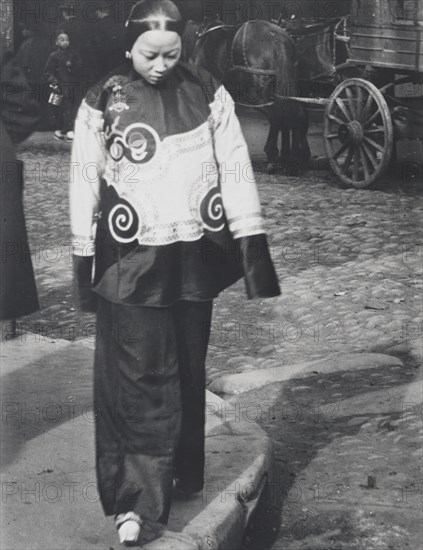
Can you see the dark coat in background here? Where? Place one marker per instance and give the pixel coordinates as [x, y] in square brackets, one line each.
[107, 44]
[18, 117]
[32, 57]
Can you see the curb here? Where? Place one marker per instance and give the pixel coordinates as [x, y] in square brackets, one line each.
[230, 502]
[57, 455]
[241, 382]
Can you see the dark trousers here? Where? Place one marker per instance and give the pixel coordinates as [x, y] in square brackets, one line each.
[63, 117]
[68, 115]
[149, 392]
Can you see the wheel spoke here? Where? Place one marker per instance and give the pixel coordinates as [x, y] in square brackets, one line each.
[331, 136]
[355, 165]
[342, 107]
[340, 151]
[371, 119]
[348, 159]
[336, 119]
[374, 144]
[366, 108]
[360, 98]
[375, 131]
[364, 163]
[351, 104]
[369, 154]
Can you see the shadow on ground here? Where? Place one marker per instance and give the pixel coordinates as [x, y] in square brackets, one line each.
[335, 435]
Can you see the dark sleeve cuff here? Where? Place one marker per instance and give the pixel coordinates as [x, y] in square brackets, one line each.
[260, 277]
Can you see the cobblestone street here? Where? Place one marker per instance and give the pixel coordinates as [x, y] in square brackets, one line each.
[350, 267]
[349, 261]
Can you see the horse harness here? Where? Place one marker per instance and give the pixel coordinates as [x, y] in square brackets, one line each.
[239, 35]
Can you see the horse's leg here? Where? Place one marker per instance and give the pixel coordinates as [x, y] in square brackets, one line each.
[271, 145]
[305, 153]
[295, 145]
[300, 151]
[295, 165]
[286, 145]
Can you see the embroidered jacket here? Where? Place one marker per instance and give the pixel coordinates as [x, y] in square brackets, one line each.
[162, 190]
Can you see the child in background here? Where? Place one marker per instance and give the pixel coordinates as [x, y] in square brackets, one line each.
[62, 72]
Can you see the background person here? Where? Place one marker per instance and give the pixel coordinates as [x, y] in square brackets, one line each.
[106, 41]
[32, 56]
[62, 72]
[18, 117]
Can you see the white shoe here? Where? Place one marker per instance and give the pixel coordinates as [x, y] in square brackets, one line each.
[69, 136]
[58, 134]
[129, 532]
[128, 526]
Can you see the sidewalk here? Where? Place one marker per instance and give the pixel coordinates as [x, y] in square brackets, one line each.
[49, 492]
[347, 437]
[49, 497]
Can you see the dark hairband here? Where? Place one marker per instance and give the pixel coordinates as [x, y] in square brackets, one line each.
[156, 24]
[135, 28]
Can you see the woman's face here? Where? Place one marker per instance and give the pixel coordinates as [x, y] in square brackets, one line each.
[155, 54]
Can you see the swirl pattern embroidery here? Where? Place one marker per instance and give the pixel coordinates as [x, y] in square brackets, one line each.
[124, 223]
[138, 143]
[211, 210]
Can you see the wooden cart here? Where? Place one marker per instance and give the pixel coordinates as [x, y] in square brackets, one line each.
[363, 118]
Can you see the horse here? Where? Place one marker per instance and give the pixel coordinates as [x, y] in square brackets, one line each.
[256, 63]
[192, 32]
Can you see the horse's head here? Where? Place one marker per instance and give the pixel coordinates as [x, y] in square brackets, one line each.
[211, 21]
[194, 31]
[212, 50]
[292, 24]
[189, 39]
[263, 57]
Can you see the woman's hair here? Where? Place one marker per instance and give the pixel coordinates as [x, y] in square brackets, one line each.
[150, 15]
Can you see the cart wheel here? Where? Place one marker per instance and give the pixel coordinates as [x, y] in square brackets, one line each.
[358, 133]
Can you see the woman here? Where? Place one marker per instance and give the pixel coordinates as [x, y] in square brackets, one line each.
[160, 159]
